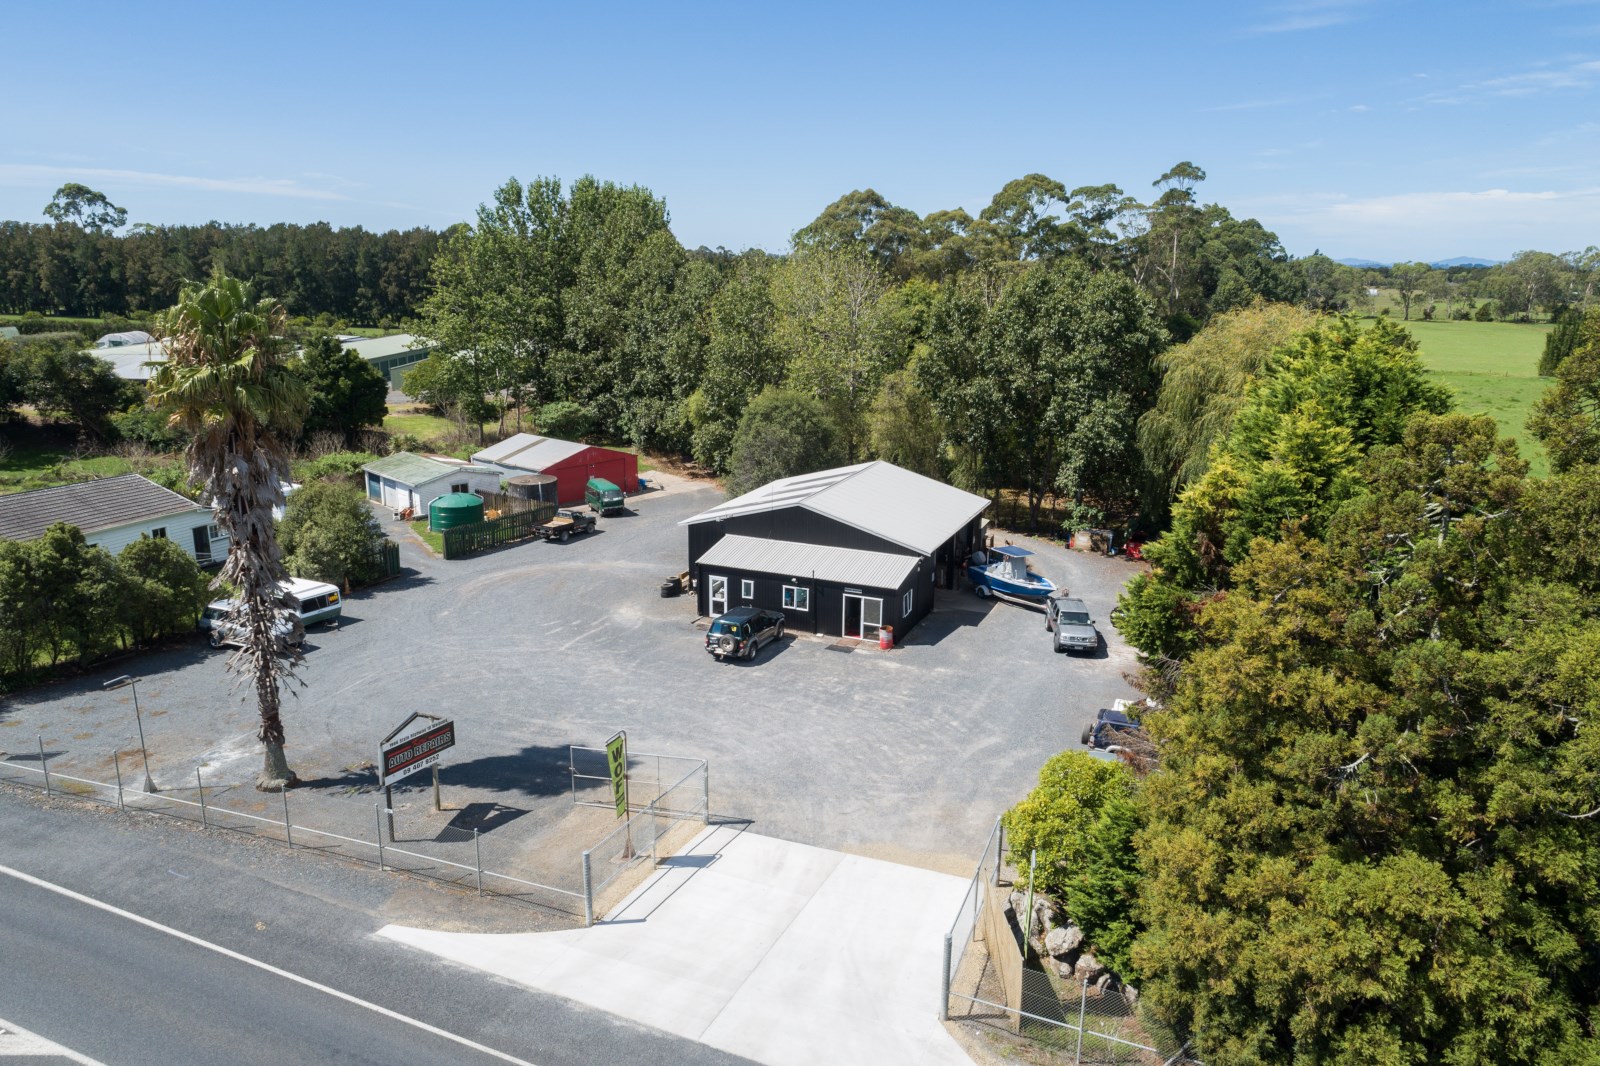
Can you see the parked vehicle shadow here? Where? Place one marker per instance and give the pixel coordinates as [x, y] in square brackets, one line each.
[771, 651]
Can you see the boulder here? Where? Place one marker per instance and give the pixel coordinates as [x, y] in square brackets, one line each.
[1105, 982]
[1130, 994]
[1063, 940]
[1064, 969]
[1088, 968]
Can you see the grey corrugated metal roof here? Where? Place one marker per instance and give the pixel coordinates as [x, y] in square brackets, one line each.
[880, 498]
[847, 566]
[411, 469]
[528, 451]
[127, 360]
[104, 503]
[383, 347]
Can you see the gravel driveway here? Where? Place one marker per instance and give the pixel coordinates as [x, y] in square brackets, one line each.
[907, 755]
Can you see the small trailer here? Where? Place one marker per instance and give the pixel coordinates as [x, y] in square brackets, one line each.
[566, 523]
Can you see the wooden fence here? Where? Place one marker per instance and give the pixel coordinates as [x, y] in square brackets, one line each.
[509, 528]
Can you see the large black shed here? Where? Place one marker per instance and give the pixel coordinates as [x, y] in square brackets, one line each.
[844, 552]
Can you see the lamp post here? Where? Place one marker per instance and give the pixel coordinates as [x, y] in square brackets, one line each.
[111, 686]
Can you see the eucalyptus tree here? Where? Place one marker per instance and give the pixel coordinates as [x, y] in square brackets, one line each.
[227, 383]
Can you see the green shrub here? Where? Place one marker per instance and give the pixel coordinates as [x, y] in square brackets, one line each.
[566, 420]
[149, 427]
[341, 466]
[329, 534]
[1484, 312]
[1081, 820]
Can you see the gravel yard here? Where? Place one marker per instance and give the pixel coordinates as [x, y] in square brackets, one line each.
[906, 755]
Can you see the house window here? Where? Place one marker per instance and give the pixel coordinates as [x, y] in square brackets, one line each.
[459, 488]
[747, 589]
[213, 532]
[796, 598]
[905, 605]
[159, 533]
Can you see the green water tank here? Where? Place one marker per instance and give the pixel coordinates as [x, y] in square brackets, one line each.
[454, 509]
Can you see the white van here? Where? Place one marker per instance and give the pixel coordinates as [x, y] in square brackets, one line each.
[304, 603]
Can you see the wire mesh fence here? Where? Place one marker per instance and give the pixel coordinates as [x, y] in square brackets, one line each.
[995, 979]
[676, 808]
[464, 857]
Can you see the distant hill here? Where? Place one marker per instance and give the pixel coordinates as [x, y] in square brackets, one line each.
[1442, 264]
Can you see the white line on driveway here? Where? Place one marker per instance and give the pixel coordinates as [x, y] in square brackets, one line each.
[17, 1042]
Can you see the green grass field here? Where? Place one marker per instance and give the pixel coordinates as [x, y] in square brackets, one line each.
[1493, 369]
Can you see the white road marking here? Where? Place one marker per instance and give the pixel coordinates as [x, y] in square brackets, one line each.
[17, 1042]
[258, 964]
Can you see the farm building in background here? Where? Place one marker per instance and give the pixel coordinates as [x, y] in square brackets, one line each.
[405, 480]
[570, 463]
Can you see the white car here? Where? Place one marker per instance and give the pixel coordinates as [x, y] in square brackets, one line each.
[300, 603]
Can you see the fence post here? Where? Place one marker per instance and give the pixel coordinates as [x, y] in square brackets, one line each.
[44, 763]
[117, 762]
[377, 813]
[588, 893]
[944, 984]
[999, 846]
[477, 851]
[1083, 1004]
[705, 791]
[205, 823]
[288, 834]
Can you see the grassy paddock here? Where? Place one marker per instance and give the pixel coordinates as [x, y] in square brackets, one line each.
[1493, 369]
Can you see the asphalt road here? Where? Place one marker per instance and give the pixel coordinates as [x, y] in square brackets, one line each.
[908, 755]
[118, 991]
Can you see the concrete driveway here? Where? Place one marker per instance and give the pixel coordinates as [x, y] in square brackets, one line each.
[782, 953]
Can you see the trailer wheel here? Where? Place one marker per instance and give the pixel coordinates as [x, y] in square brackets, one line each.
[983, 592]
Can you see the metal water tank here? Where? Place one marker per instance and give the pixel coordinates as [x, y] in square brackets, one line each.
[454, 509]
[538, 487]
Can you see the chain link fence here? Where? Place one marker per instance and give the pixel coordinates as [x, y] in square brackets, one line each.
[673, 794]
[996, 982]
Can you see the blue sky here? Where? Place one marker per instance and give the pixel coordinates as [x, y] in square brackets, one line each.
[1377, 129]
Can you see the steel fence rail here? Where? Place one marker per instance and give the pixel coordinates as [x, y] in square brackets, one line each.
[210, 813]
[985, 966]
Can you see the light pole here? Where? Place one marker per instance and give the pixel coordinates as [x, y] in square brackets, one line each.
[111, 686]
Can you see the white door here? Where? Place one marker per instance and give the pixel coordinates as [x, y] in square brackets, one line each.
[717, 594]
[863, 617]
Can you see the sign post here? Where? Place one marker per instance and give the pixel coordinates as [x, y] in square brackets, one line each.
[617, 760]
[417, 750]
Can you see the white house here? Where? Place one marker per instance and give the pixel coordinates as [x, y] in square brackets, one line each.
[405, 480]
[113, 512]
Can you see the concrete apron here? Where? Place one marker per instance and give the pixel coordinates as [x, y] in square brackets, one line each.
[782, 953]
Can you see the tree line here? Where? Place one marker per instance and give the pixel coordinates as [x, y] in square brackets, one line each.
[1370, 641]
[78, 265]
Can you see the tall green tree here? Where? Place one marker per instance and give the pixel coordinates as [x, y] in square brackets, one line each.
[742, 358]
[1567, 417]
[782, 433]
[328, 533]
[1409, 279]
[1203, 385]
[837, 336]
[164, 589]
[228, 383]
[83, 206]
[1372, 837]
[346, 393]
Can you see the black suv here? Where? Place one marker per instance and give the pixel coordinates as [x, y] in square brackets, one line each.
[742, 631]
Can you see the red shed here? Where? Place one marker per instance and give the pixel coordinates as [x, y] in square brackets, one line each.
[570, 463]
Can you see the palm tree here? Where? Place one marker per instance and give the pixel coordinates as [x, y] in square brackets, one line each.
[227, 383]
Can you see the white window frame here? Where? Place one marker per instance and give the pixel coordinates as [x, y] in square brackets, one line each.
[159, 533]
[905, 605]
[747, 589]
[793, 595]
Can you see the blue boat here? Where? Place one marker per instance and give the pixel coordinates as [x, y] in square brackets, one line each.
[1004, 569]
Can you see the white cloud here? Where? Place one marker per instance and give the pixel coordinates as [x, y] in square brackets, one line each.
[1303, 15]
[31, 174]
[1494, 223]
[1547, 78]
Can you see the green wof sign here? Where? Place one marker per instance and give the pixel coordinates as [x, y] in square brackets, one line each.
[617, 758]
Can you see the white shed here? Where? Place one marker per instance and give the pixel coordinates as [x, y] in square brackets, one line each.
[113, 512]
[406, 480]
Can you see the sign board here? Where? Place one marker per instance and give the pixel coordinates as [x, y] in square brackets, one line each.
[417, 752]
[617, 759]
